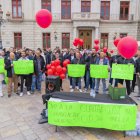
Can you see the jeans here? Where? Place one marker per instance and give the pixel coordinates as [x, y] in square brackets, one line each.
[138, 82]
[24, 78]
[70, 78]
[87, 79]
[98, 84]
[74, 80]
[36, 81]
[93, 84]
[134, 82]
[111, 81]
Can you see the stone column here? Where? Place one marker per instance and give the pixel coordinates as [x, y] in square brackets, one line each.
[74, 32]
[96, 32]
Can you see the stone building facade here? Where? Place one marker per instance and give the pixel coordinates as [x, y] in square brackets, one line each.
[87, 19]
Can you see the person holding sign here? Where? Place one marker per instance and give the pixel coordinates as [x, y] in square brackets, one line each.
[138, 73]
[101, 60]
[77, 60]
[93, 59]
[122, 60]
[24, 77]
[1, 77]
[12, 77]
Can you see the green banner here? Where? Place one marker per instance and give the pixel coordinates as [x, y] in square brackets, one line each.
[99, 71]
[122, 71]
[110, 116]
[76, 70]
[2, 66]
[23, 67]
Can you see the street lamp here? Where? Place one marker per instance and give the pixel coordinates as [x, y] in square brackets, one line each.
[1, 22]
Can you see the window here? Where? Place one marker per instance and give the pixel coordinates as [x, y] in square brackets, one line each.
[104, 40]
[16, 9]
[65, 40]
[123, 35]
[46, 40]
[66, 9]
[105, 10]
[46, 4]
[124, 10]
[85, 6]
[18, 40]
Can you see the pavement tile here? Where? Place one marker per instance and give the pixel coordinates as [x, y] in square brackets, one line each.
[15, 137]
[27, 132]
[9, 131]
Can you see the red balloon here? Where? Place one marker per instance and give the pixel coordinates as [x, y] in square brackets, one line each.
[50, 72]
[105, 49]
[81, 42]
[62, 76]
[127, 47]
[48, 66]
[76, 40]
[75, 44]
[52, 63]
[56, 74]
[43, 18]
[68, 61]
[96, 47]
[111, 51]
[53, 69]
[116, 41]
[65, 63]
[58, 69]
[64, 70]
[96, 41]
[57, 62]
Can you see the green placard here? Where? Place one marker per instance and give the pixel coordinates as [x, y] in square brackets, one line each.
[99, 71]
[76, 70]
[109, 116]
[23, 67]
[122, 71]
[2, 66]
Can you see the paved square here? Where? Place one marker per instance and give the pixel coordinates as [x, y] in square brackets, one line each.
[19, 121]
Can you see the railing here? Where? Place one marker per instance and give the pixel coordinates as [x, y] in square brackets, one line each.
[85, 16]
[118, 17]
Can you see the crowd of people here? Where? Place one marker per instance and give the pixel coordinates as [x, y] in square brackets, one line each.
[76, 56]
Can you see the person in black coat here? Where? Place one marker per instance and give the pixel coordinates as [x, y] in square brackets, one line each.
[71, 57]
[12, 77]
[138, 74]
[77, 60]
[122, 60]
[112, 61]
[39, 68]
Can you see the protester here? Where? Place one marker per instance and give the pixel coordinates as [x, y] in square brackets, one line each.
[87, 72]
[12, 77]
[134, 77]
[77, 60]
[113, 60]
[101, 60]
[138, 74]
[93, 59]
[1, 75]
[122, 60]
[24, 78]
[71, 57]
[39, 68]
